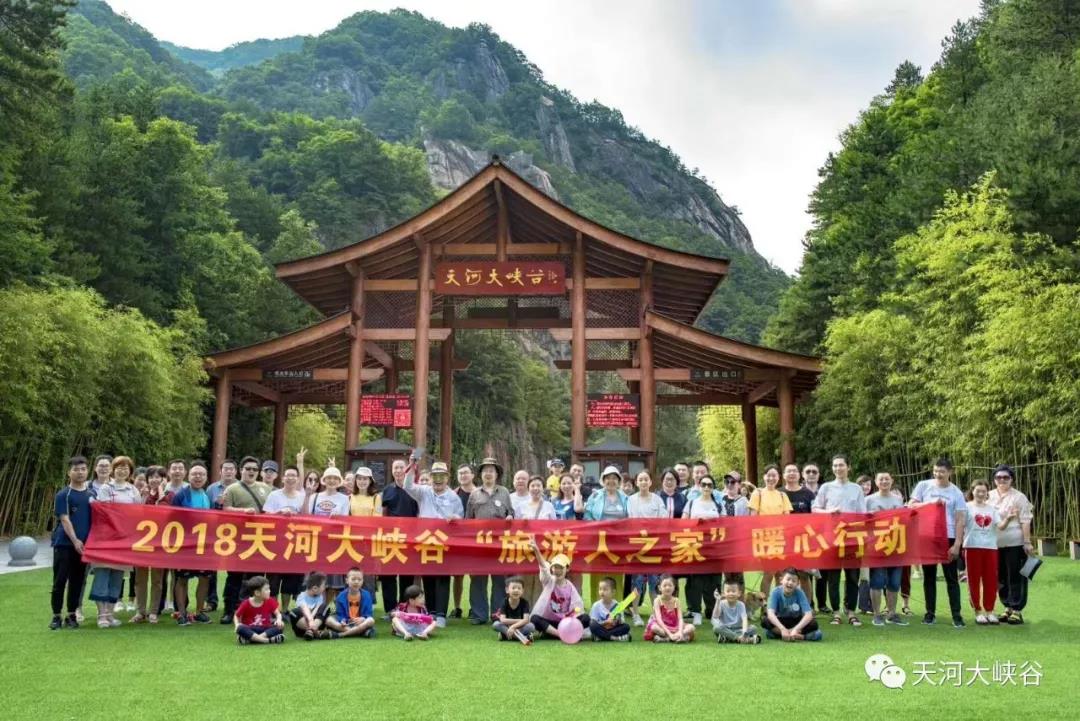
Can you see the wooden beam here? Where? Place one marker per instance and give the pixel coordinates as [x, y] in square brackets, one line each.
[737, 349]
[281, 415]
[421, 349]
[311, 335]
[375, 351]
[391, 386]
[221, 422]
[260, 390]
[404, 334]
[446, 386]
[406, 365]
[699, 399]
[565, 335]
[468, 250]
[578, 350]
[760, 392]
[607, 283]
[504, 312]
[750, 446]
[502, 228]
[511, 323]
[353, 381]
[597, 364]
[667, 375]
[395, 285]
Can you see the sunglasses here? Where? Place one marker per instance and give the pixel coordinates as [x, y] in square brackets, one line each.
[706, 485]
[732, 483]
[1002, 478]
[810, 473]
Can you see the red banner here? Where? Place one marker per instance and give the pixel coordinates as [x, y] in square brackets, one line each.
[510, 277]
[167, 537]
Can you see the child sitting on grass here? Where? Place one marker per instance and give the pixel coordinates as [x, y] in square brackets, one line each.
[666, 622]
[788, 615]
[730, 621]
[602, 625]
[354, 609]
[309, 617]
[258, 619]
[512, 618]
[559, 598]
[411, 619]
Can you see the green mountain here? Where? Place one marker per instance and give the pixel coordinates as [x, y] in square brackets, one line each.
[252, 52]
[458, 95]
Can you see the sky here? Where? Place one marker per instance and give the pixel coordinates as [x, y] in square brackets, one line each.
[753, 93]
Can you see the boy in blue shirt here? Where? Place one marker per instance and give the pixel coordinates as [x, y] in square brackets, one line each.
[354, 611]
[309, 617]
[788, 615]
[601, 625]
[72, 509]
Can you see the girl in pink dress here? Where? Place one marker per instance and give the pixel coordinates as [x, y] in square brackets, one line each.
[666, 622]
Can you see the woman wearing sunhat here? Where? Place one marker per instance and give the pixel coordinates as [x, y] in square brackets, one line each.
[489, 501]
[607, 504]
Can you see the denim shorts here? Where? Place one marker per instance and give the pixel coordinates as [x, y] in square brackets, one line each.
[885, 578]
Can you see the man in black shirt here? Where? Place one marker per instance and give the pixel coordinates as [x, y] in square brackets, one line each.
[396, 503]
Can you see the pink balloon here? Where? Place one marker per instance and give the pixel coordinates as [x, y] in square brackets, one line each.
[570, 630]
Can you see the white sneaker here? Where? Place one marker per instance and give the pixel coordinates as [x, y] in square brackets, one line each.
[169, 607]
[586, 635]
[114, 621]
[697, 619]
[638, 620]
[440, 622]
[79, 617]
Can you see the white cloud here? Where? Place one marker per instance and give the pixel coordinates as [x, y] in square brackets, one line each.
[753, 95]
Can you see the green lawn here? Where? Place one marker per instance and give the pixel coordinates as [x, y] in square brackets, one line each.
[167, 672]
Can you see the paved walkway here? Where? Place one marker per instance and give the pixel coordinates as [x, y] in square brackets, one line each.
[43, 559]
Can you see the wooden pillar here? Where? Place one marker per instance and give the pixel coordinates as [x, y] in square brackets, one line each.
[446, 385]
[353, 383]
[645, 359]
[391, 387]
[578, 351]
[422, 345]
[749, 421]
[281, 415]
[221, 422]
[787, 419]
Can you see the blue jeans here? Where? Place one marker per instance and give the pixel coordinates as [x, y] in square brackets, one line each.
[478, 596]
[107, 585]
[885, 578]
[639, 583]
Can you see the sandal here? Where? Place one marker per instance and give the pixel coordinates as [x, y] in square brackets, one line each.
[1016, 619]
[906, 610]
[854, 620]
[138, 618]
[836, 620]
[152, 619]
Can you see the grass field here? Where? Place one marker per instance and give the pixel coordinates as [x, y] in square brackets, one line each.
[169, 672]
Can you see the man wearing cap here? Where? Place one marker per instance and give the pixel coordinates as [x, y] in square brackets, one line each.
[247, 496]
[489, 501]
[396, 503]
[435, 501]
[553, 480]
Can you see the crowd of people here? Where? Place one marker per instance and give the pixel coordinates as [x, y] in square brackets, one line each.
[989, 529]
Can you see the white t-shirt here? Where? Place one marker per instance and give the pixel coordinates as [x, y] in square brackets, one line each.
[529, 512]
[699, 508]
[520, 504]
[328, 504]
[653, 508]
[929, 492]
[981, 531]
[278, 500]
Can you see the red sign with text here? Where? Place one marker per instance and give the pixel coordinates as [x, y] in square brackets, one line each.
[612, 410]
[171, 537]
[511, 277]
[393, 410]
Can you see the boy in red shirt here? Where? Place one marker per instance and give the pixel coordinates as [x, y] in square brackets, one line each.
[258, 619]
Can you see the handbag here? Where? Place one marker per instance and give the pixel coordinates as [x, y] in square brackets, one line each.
[1031, 567]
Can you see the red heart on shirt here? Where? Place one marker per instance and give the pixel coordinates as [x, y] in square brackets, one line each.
[982, 521]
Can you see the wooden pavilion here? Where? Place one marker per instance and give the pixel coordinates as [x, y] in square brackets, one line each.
[499, 254]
